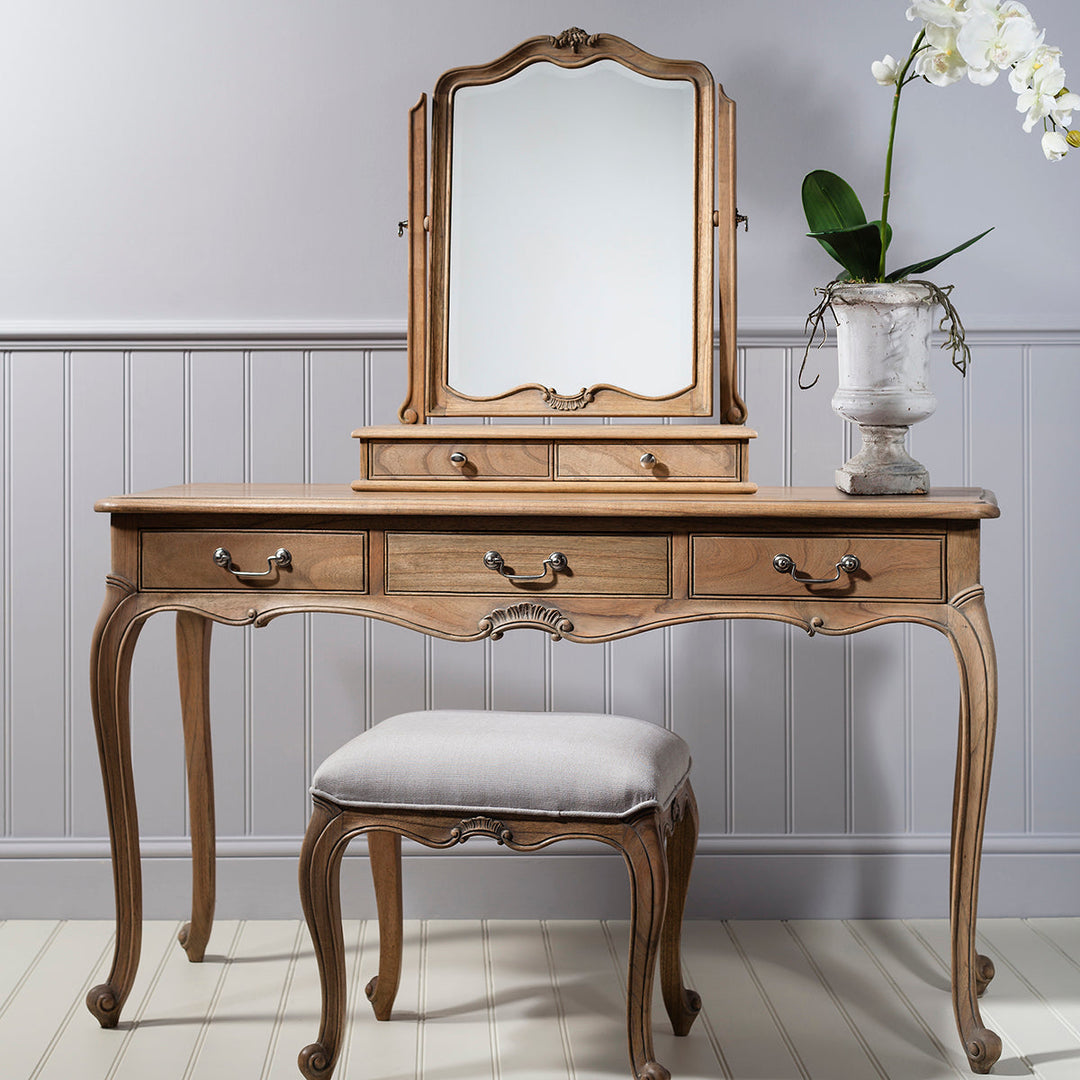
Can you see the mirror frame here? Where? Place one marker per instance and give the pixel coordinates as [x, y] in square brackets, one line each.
[430, 393]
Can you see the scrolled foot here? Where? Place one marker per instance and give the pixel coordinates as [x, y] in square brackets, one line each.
[983, 1049]
[315, 1061]
[684, 1018]
[103, 1003]
[195, 952]
[382, 1009]
[654, 1071]
[984, 972]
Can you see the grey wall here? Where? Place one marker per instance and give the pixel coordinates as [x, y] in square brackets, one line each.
[245, 160]
[194, 198]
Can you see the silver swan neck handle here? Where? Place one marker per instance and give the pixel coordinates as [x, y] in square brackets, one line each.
[556, 561]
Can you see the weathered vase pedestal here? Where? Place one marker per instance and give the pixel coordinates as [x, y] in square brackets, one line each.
[883, 352]
[883, 466]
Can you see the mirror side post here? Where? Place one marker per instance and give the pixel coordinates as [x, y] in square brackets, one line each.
[732, 407]
[414, 408]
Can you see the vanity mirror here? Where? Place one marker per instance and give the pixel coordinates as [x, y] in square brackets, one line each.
[580, 189]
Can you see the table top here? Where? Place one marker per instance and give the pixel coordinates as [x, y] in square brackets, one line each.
[459, 499]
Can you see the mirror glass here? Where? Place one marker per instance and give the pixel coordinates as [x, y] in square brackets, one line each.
[571, 232]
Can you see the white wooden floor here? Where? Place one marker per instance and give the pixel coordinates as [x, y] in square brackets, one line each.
[540, 1000]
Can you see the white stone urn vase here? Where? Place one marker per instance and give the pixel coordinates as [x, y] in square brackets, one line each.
[883, 347]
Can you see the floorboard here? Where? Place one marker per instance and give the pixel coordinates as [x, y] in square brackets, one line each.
[541, 1000]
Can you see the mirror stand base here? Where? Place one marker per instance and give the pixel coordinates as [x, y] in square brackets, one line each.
[630, 458]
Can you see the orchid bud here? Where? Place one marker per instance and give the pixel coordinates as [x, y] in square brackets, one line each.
[885, 71]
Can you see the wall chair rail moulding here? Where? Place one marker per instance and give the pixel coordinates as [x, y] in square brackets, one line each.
[568, 270]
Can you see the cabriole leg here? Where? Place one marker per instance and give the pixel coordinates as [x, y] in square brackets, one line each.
[646, 860]
[974, 649]
[682, 1004]
[384, 851]
[193, 667]
[320, 895]
[110, 677]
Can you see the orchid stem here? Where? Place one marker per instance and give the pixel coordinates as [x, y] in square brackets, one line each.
[901, 81]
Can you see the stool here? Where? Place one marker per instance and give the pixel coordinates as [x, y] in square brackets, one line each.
[526, 780]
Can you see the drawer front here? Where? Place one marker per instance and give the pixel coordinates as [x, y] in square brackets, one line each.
[322, 561]
[483, 461]
[673, 461]
[890, 567]
[595, 565]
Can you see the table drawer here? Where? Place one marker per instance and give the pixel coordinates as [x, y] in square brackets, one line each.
[687, 461]
[596, 565]
[890, 567]
[483, 460]
[321, 561]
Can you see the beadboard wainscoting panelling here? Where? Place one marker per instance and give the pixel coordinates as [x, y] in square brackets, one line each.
[823, 766]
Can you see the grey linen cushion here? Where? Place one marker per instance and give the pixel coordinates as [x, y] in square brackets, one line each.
[553, 764]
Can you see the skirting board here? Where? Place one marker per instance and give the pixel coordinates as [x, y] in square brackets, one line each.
[463, 885]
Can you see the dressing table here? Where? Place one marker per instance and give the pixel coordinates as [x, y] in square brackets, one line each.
[587, 532]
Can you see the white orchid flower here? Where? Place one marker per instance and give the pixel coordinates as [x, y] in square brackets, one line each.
[1054, 145]
[999, 9]
[1040, 99]
[944, 13]
[992, 43]
[993, 8]
[1061, 113]
[941, 64]
[1013, 9]
[885, 71]
[1024, 70]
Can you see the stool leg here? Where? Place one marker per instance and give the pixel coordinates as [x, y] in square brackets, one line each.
[683, 1005]
[643, 848]
[384, 850]
[320, 894]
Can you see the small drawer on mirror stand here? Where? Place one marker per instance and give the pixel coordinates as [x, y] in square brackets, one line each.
[647, 460]
[458, 459]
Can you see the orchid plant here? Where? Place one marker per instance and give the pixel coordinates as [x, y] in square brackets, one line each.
[979, 39]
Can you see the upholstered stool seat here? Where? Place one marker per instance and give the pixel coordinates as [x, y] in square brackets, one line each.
[526, 780]
[563, 764]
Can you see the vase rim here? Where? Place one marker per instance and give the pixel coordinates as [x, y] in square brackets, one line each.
[882, 292]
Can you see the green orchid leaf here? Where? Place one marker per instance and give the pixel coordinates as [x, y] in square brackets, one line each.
[830, 203]
[929, 264]
[856, 249]
[888, 232]
[830, 249]
[841, 259]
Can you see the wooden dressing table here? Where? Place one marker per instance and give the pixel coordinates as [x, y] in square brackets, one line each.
[630, 563]
[599, 305]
